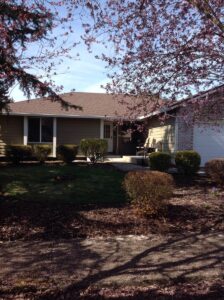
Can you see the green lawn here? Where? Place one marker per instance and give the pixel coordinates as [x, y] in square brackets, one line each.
[78, 184]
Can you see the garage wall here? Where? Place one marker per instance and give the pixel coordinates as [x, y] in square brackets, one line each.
[164, 133]
[208, 141]
[11, 131]
[71, 131]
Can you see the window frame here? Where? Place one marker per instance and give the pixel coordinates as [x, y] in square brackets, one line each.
[40, 131]
[108, 126]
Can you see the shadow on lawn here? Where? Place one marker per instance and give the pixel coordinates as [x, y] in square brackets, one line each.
[66, 270]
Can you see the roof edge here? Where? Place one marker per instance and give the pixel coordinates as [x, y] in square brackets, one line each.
[105, 117]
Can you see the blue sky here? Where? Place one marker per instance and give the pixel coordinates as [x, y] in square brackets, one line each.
[84, 73]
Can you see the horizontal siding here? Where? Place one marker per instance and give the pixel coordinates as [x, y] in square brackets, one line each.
[71, 131]
[162, 133]
[11, 131]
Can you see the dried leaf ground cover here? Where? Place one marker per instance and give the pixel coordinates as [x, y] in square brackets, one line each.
[83, 268]
[50, 204]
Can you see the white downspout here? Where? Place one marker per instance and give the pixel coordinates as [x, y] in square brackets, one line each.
[54, 136]
[25, 131]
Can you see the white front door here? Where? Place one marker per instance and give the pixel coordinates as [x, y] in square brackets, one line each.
[108, 135]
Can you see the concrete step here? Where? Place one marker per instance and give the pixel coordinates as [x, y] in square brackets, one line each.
[129, 159]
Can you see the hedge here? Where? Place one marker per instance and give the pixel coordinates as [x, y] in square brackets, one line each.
[94, 149]
[67, 153]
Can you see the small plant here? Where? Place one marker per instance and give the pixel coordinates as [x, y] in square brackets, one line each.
[41, 152]
[159, 161]
[187, 162]
[94, 149]
[149, 191]
[214, 169]
[67, 153]
[17, 153]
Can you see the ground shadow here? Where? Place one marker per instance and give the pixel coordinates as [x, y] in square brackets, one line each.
[78, 265]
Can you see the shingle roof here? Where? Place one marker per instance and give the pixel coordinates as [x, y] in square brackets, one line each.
[93, 105]
[187, 101]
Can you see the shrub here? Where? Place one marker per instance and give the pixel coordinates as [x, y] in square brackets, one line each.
[215, 170]
[41, 152]
[149, 191]
[67, 153]
[17, 153]
[160, 161]
[94, 148]
[187, 162]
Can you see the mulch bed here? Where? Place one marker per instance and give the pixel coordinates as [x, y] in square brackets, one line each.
[182, 291]
[204, 290]
[192, 209]
[195, 207]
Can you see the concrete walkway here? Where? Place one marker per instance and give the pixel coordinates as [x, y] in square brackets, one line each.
[127, 167]
[123, 260]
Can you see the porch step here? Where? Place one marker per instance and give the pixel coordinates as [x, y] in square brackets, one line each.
[113, 156]
[128, 159]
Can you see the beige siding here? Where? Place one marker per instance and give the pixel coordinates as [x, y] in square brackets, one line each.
[71, 131]
[162, 133]
[11, 131]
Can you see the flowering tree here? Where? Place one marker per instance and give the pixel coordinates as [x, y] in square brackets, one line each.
[163, 48]
[28, 43]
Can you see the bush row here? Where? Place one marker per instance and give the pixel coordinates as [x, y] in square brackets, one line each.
[17, 153]
[187, 162]
[94, 149]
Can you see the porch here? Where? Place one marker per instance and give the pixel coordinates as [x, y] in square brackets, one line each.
[55, 131]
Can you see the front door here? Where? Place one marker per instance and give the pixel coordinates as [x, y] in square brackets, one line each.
[108, 135]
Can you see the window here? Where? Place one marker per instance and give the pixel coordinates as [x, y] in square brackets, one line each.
[107, 134]
[34, 130]
[40, 130]
[47, 130]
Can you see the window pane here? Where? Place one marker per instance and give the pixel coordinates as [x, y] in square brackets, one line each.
[107, 131]
[47, 130]
[34, 130]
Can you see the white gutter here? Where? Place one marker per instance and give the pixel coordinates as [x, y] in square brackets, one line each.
[105, 117]
[154, 113]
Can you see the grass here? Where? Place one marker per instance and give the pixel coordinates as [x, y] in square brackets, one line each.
[76, 184]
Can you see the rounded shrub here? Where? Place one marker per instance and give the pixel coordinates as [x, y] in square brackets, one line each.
[67, 153]
[94, 148]
[17, 153]
[149, 191]
[41, 152]
[187, 162]
[214, 169]
[159, 161]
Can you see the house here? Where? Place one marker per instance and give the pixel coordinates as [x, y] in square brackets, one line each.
[44, 121]
[204, 135]
[47, 122]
